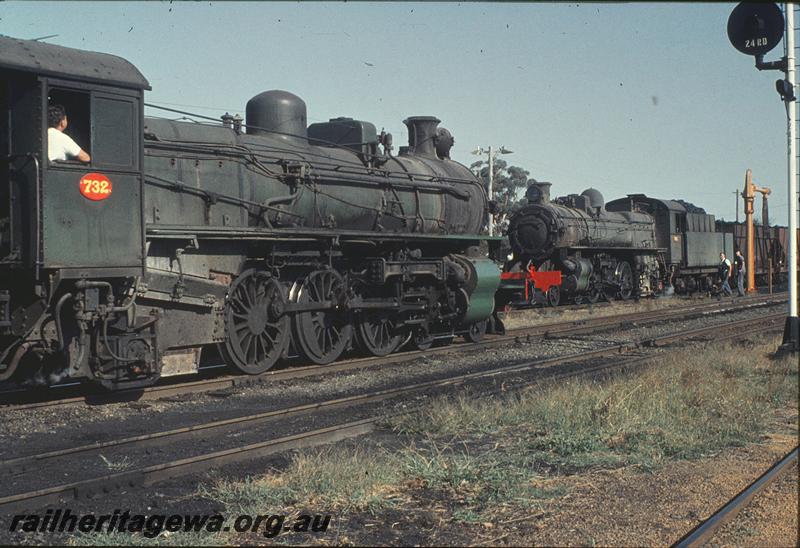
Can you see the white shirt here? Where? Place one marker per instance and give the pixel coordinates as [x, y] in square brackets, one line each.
[60, 146]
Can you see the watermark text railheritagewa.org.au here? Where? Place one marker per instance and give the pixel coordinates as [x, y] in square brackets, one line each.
[268, 525]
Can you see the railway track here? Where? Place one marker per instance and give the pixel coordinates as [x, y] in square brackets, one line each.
[16, 470]
[728, 512]
[694, 299]
[22, 400]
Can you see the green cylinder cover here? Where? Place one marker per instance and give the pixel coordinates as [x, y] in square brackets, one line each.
[481, 300]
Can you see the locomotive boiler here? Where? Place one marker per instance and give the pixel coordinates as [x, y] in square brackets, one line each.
[598, 253]
[181, 240]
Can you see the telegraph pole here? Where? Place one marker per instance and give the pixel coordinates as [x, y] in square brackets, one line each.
[490, 188]
[736, 194]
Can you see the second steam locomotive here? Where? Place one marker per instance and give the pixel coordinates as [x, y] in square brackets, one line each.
[633, 246]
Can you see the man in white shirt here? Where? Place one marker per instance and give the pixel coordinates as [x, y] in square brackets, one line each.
[60, 146]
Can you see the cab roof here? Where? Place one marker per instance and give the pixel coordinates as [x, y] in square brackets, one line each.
[69, 63]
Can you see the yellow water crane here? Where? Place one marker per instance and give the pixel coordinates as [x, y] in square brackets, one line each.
[749, 195]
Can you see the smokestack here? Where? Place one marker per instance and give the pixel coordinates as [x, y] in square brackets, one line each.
[421, 135]
[538, 193]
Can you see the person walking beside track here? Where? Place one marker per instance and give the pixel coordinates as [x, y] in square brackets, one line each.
[738, 261]
[725, 273]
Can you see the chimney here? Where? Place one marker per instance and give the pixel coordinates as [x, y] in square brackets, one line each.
[538, 193]
[421, 135]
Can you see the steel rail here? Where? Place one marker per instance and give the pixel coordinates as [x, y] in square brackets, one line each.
[706, 530]
[696, 300]
[548, 330]
[151, 474]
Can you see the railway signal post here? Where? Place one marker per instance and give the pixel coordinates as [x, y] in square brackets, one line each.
[755, 29]
[791, 335]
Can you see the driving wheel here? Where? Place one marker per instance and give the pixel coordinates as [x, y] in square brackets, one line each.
[593, 291]
[322, 335]
[256, 328]
[625, 280]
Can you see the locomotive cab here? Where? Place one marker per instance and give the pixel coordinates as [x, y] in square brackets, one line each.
[56, 205]
[71, 233]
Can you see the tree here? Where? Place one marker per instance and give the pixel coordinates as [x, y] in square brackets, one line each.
[506, 182]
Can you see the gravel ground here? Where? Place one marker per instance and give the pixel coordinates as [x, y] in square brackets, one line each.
[769, 520]
[179, 496]
[627, 507]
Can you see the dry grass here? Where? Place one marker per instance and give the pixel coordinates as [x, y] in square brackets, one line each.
[491, 453]
[334, 477]
[687, 405]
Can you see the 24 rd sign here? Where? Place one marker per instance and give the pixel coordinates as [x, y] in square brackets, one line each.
[755, 28]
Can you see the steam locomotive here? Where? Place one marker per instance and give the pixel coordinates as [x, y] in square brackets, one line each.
[254, 240]
[577, 247]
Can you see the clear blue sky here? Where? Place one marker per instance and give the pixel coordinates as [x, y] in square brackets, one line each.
[643, 97]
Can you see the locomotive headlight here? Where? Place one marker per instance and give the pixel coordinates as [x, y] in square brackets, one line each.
[510, 257]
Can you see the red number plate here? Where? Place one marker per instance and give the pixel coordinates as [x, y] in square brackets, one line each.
[95, 186]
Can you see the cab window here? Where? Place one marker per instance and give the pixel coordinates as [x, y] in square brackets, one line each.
[77, 108]
[103, 123]
[114, 131]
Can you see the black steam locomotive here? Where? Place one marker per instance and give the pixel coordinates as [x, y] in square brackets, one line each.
[181, 240]
[577, 247]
